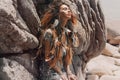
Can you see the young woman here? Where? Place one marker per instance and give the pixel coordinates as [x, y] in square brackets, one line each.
[59, 38]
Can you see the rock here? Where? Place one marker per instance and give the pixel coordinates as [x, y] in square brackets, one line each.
[115, 41]
[106, 67]
[107, 77]
[14, 71]
[117, 72]
[19, 24]
[113, 27]
[102, 65]
[3, 75]
[117, 62]
[29, 14]
[15, 36]
[111, 32]
[113, 35]
[119, 48]
[92, 77]
[111, 51]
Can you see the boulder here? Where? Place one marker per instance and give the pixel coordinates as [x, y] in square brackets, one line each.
[15, 35]
[111, 51]
[19, 26]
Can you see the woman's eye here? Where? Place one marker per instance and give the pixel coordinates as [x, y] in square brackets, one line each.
[65, 8]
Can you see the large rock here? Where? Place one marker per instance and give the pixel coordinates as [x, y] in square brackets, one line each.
[115, 41]
[92, 77]
[106, 77]
[105, 66]
[111, 51]
[29, 14]
[119, 48]
[102, 65]
[19, 24]
[113, 33]
[15, 35]
[12, 70]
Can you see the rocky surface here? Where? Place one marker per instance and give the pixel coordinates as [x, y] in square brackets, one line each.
[104, 67]
[19, 26]
[107, 65]
[15, 35]
[13, 71]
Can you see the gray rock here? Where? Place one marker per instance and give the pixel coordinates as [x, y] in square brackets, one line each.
[107, 77]
[15, 36]
[29, 14]
[12, 70]
[19, 24]
[92, 77]
[119, 48]
[111, 51]
[102, 65]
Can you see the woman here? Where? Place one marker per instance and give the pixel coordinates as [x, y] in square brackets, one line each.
[59, 38]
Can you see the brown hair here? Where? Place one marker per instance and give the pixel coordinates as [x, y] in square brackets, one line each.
[52, 14]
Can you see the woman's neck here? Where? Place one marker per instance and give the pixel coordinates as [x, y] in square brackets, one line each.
[63, 22]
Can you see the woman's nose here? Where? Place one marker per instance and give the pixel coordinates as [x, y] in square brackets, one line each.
[69, 11]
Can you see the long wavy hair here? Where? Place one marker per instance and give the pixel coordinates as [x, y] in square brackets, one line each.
[52, 14]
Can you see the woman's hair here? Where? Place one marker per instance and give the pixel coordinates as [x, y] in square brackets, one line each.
[52, 14]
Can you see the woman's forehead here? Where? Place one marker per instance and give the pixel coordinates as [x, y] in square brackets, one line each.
[64, 6]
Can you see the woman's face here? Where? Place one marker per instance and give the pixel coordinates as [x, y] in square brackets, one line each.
[65, 11]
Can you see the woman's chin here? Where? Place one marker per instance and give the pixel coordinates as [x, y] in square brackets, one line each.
[68, 17]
